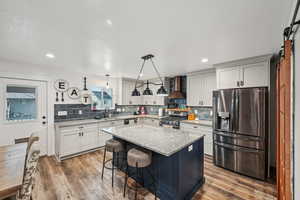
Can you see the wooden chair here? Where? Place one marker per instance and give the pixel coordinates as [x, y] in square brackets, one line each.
[30, 171]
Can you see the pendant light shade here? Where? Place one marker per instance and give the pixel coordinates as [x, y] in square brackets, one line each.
[147, 91]
[162, 91]
[135, 93]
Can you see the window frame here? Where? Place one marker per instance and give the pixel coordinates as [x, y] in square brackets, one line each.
[5, 103]
[102, 89]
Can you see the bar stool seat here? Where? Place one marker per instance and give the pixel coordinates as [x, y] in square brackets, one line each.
[113, 145]
[116, 147]
[139, 158]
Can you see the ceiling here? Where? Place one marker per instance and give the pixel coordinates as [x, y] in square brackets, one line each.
[110, 36]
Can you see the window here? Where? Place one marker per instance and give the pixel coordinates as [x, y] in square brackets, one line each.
[101, 98]
[21, 103]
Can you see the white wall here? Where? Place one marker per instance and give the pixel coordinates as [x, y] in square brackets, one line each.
[27, 71]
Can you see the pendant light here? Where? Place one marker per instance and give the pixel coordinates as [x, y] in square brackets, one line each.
[147, 92]
[107, 81]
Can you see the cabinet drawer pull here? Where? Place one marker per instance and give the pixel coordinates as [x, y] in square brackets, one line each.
[238, 83]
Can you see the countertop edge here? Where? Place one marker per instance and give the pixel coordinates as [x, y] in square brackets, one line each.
[156, 151]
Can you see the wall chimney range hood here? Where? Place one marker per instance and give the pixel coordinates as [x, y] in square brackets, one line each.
[177, 94]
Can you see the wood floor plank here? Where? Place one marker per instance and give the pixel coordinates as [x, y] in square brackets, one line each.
[79, 178]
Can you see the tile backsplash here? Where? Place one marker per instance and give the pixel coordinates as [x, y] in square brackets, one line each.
[67, 112]
[203, 113]
[152, 110]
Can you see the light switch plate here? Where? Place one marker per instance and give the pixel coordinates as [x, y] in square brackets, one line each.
[62, 113]
[190, 148]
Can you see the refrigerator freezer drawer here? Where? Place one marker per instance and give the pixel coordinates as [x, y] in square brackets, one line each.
[239, 140]
[245, 161]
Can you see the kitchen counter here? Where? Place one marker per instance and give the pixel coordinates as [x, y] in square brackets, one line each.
[198, 122]
[164, 141]
[91, 121]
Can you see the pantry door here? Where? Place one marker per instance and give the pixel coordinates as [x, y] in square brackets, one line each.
[23, 110]
[284, 115]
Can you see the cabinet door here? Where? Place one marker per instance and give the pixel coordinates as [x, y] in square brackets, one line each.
[195, 88]
[255, 75]
[228, 77]
[89, 139]
[208, 87]
[70, 143]
[102, 138]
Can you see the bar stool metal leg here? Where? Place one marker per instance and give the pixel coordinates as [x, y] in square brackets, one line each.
[126, 179]
[137, 172]
[103, 163]
[112, 169]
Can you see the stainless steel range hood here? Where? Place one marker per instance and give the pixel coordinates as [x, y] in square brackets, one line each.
[177, 94]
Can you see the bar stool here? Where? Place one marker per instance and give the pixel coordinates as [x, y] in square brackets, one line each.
[113, 146]
[139, 160]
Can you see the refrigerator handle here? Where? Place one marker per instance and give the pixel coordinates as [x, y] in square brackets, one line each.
[232, 114]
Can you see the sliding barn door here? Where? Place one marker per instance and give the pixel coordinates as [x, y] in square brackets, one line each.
[284, 97]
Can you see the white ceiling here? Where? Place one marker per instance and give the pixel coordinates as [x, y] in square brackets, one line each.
[178, 32]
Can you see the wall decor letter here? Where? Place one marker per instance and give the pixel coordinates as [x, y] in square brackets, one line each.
[74, 93]
[86, 99]
[61, 85]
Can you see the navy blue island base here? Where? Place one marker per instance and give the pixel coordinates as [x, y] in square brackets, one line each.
[177, 177]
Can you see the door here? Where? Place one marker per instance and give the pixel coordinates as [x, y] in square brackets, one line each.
[23, 111]
[228, 77]
[283, 114]
[250, 111]
[255, 75]
[223, 105]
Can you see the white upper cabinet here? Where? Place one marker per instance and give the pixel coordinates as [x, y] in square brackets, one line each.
[228, 77]
[252, 72]
[255, 75]
[199, 89]
[126, 87]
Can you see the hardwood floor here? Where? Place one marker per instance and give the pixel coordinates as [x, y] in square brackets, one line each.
[79, 178]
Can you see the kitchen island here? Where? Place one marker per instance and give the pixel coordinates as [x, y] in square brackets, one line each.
[177, 158]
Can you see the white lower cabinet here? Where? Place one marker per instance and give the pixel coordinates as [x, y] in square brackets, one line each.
[73, 140]
[200, 129]
[70, 143]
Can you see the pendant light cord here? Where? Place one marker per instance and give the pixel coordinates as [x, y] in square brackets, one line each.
[157, 72]
[140, 73]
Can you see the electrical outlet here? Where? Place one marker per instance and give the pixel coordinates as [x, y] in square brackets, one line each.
[80, 112]
[62, 113]
[190, 148]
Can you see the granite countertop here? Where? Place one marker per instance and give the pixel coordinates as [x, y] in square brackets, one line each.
[162, 140]
[91, 121]
[198, 122]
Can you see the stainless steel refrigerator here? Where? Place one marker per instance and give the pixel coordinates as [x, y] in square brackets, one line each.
[240, 130]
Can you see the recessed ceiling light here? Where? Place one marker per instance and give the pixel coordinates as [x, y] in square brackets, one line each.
[50, 55]
[204, 60]
[109, 22]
